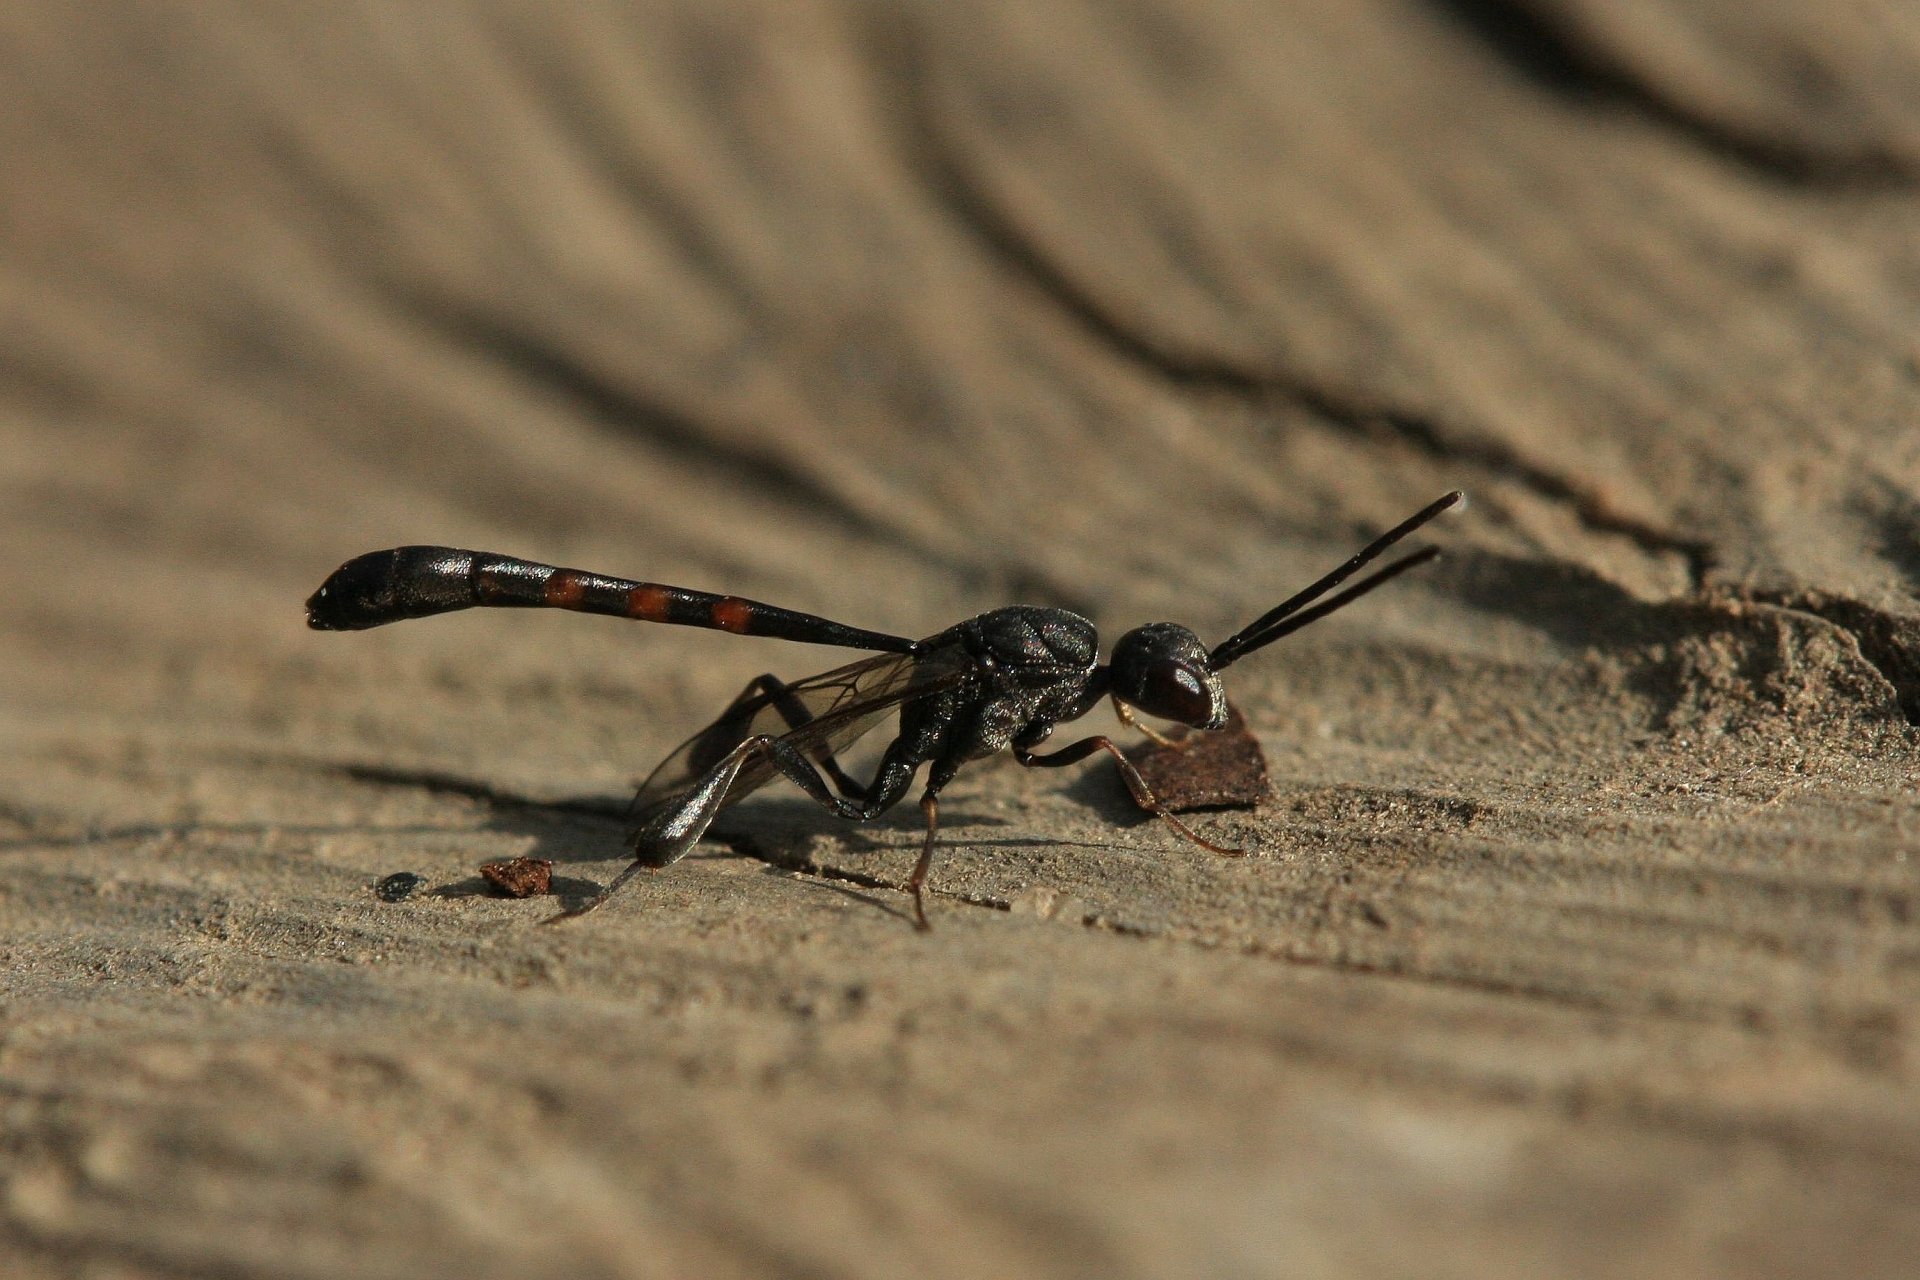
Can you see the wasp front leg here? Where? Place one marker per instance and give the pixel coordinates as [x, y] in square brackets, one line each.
[1127, 718]
[1075, 752]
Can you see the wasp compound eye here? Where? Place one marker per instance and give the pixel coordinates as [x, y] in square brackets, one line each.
[1175, 693]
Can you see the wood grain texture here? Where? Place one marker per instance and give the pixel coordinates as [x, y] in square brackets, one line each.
[1581, 933]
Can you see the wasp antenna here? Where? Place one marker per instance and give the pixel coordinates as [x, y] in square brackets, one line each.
[1267, 628]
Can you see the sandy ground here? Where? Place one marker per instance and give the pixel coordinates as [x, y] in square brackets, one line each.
[1580, 936]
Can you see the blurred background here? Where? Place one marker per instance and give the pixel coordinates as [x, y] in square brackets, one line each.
[1583, 902]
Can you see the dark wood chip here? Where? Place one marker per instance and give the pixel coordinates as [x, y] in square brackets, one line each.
[1224, 769]
[520, 877]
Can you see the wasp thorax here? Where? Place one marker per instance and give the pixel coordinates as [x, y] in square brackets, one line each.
[1162, 669]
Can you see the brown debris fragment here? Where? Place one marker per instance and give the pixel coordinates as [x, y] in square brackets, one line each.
[1224, 769]
[520, 877]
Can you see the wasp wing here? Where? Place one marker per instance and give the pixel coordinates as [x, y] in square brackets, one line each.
[821, 715]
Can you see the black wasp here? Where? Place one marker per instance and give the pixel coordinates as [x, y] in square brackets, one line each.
[1002, 679]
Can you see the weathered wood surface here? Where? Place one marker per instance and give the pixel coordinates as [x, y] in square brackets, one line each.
[1582, 937]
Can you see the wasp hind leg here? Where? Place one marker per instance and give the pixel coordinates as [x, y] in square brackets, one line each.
[672, 828]
[795, 713]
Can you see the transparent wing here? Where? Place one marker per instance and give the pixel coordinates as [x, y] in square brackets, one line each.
[837, 707]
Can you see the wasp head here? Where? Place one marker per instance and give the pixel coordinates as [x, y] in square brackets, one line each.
[1163, 669]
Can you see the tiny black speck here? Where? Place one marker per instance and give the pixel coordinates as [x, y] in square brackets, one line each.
[397, 887]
